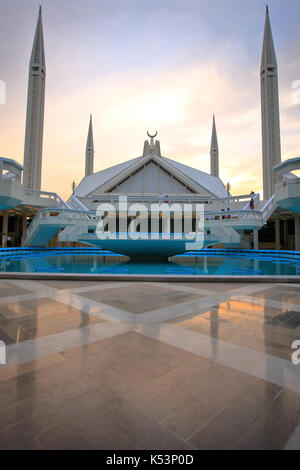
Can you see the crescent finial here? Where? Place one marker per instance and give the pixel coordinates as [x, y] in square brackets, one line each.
[151, 136]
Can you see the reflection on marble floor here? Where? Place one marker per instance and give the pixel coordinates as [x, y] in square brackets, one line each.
[256, 326]
[30, 319]
[136, 365]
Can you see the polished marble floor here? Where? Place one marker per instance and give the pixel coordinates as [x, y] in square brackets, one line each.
[132, 365]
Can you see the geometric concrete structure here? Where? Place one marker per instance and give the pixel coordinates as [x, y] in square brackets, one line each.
[271, 150]
[14, 195]
[10, 183]
[214, 152]
[146, 149]
[89, 153]
[18, 202]
[151, 147]
[35, 112]
[287, 188]
[80, 225]
[149, 179]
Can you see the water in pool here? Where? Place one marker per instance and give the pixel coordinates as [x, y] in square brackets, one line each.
[214, 263]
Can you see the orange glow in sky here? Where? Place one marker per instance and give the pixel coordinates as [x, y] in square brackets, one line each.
[158, 77]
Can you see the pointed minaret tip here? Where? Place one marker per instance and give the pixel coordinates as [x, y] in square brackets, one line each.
[90, 142]
[89, 152]
[268, 52]
[214, 139]
[40, 13]
[38, 53]
[214, 151]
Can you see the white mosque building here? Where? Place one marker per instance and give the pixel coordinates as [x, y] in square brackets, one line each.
[152, 178]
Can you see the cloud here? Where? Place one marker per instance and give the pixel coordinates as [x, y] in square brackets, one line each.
[136, 66]
[178, 103]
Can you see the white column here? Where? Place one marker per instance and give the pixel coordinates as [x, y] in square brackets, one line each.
[5, 222]
[24, 227]
[24, 224]
[1, 169]
[285, 237]
[205, 264]
[277, 232]
[255, 240]
[244, 241]
[297, 232]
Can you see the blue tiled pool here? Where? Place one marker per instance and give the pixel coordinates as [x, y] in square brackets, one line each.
[206, 262]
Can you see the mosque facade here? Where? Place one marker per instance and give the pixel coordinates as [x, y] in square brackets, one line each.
[154, 177]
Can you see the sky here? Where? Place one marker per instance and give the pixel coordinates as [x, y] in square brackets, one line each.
[136, 65]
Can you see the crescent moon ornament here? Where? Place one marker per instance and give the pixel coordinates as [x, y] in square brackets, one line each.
[151, 136]
[152, 139]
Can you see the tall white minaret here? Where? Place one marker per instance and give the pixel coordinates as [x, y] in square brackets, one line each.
[89, 152]
[214, 151]
[35, 111]
[271, 149]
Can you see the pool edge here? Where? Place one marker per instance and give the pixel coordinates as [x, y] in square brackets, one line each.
[149, 277]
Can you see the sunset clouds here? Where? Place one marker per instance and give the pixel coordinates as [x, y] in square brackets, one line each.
[135, 65]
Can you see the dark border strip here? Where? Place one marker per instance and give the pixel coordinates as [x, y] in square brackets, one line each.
[149, 278]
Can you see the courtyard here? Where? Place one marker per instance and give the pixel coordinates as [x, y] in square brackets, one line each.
[132, 365]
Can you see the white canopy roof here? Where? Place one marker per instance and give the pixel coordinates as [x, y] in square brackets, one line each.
[103, 181]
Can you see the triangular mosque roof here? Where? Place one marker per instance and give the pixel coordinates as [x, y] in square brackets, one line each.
[213, 184]
[94, 182]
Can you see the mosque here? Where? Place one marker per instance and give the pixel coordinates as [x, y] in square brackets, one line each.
[32, 217]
